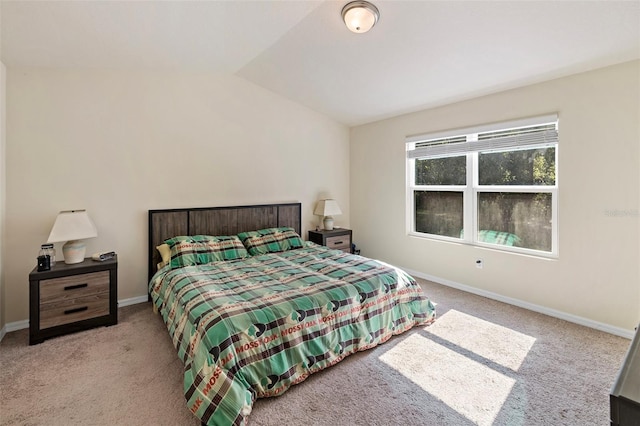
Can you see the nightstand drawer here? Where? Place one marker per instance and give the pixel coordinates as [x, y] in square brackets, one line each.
[340, 242]
[73, 286]
[78, 309]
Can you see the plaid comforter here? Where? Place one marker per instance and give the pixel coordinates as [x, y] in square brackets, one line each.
[252, 328]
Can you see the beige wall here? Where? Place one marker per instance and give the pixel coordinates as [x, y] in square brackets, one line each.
[596, 275]
[121, 143]
[3, 92]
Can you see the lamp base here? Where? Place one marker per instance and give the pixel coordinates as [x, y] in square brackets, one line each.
[73, 251]
[328, 223]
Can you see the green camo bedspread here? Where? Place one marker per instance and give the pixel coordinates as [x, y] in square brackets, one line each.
[251, 328]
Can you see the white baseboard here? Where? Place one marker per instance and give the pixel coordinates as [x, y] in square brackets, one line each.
[132, 301]
[628, 334]
[15, 326]
[20, 325]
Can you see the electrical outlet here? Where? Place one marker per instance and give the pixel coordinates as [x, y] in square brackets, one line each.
[479, 263]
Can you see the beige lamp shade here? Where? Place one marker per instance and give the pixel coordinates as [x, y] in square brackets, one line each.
[327, 208]
[73, 226]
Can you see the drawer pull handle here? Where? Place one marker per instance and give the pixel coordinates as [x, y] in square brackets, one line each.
[74, 310]
[335, 243]
[74, 287]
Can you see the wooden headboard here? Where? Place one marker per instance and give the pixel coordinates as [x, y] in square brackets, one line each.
[169, 223]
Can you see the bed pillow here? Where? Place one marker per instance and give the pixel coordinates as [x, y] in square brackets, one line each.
[203, 249]
[496, 237]
[165, 254]
[270, 240]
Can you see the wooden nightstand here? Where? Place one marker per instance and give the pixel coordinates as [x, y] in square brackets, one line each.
[338, 238]
[71, 298]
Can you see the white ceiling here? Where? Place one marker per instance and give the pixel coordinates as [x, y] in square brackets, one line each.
[420, 54]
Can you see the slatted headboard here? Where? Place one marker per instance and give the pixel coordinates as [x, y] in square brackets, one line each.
[169, 223]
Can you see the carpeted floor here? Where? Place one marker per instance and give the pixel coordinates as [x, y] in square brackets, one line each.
[481, 363]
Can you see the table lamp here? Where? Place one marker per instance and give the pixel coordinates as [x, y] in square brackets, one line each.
[72, 226]
[327, 208]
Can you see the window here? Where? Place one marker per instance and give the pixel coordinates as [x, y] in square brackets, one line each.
[494, 185]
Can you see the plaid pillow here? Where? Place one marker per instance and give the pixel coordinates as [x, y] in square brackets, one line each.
[203, 249]
[270, 240]
[496, 237]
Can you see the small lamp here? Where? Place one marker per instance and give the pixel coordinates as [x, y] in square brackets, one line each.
[72, 226]
[327, 208]
[360, 16]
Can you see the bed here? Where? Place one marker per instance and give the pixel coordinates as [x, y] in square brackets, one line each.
[253, 309]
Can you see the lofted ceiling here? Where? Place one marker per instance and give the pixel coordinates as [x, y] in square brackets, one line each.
[420, 54]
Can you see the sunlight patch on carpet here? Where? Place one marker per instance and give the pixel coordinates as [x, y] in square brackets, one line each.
[472, 389]
[499, 344]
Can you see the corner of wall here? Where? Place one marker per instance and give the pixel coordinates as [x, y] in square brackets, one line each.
[3, 103]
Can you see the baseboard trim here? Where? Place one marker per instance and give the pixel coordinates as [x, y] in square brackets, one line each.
[15, 326]
[132, 301]
[617, 331]
[20, 325]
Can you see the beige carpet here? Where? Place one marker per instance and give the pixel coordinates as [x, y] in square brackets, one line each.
[482, 362]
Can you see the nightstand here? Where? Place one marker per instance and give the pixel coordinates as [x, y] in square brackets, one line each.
[338, 238]
[70, 298]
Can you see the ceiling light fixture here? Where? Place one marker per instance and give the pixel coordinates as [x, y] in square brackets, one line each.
[360, 16]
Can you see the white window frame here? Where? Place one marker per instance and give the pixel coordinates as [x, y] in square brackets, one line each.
[472, 189]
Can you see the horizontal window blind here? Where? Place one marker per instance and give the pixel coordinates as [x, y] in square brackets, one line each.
[539, 135]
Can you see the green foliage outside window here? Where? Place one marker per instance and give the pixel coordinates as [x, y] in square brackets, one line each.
[442, 171]
[524, 167]
[525, 215]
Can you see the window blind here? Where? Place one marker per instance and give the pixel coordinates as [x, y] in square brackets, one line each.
[539, 135]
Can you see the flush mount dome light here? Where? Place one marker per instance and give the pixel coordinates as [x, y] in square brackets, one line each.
[360, 16]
